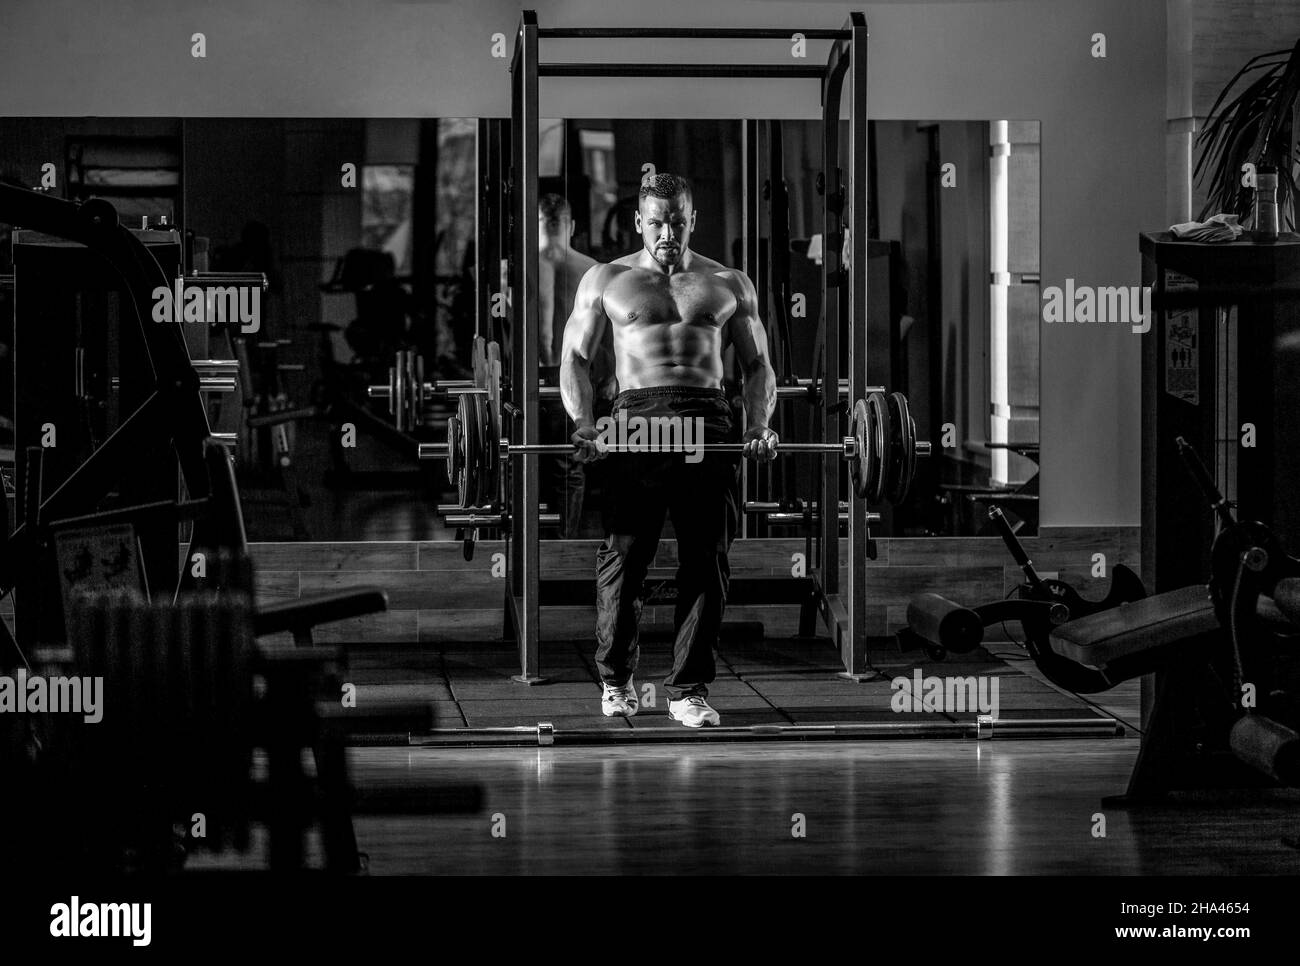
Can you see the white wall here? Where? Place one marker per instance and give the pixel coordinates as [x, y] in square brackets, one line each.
[1208, 42]
[1103, 122]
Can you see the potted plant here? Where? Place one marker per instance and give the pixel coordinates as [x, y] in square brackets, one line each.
[1257, 126]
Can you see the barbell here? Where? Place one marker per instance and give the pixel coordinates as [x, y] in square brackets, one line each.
[410, 390]
[881, 449]
[409, 393]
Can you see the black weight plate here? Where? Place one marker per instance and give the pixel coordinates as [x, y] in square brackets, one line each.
[480, 362]
[860, 465]
[880, 443]
[418, 399]
[492, 465]
[488, 464]
[455, 451]
[411, 418]
[896, 463]
[472, 434]
[907, 469]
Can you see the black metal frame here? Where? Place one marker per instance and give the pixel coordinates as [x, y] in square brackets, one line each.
[841, 597]
[683, 33]
[491, 214]
[843, 602]
[523, 612]
[174, 410]
[766, 260]
[754, 265]
[679, 70]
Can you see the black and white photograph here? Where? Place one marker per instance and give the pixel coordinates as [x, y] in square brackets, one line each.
[447, 444]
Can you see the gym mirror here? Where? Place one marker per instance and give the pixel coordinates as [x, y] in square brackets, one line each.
[368, 233]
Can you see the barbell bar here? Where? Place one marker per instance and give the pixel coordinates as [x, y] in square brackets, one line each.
[800, 389]
[780, 514]
[215, 375]
[409, 389]
[881, 450]
[497, 518]
[847, 449]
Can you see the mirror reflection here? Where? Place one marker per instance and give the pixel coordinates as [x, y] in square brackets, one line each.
[383, 237]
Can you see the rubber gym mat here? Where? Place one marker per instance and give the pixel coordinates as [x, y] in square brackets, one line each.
[780, 682]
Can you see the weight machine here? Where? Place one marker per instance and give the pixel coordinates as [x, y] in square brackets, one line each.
[839, 595]
[497, 422]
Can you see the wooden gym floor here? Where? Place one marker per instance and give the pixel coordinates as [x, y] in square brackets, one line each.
[869, 808]
[926, 808]
[936, 807]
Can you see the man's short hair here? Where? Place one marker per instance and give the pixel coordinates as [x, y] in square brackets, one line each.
[664, 186]
[553, 207]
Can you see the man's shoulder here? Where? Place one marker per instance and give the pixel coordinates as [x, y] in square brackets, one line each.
[706, 265]
[734, 277]
[625, 262]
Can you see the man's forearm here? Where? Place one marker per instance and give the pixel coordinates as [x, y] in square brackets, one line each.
[760, 396]
[575, 390]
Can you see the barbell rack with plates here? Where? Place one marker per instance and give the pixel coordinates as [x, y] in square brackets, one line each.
[881, 448]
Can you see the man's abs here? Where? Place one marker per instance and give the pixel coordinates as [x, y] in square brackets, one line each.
[668, 331]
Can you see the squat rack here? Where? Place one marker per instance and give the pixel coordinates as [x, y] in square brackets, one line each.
[840, 596]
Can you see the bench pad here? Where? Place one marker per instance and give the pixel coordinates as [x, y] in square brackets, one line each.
[1134, 629]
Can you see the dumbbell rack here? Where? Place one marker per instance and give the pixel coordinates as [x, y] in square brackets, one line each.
[841, 595]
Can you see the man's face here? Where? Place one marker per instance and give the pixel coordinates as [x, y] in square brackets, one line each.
[553, 234]
[665, 225]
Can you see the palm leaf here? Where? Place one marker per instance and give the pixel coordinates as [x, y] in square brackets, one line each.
[1246, 104]
[1243, 111]
[1250, 65]
[1254, 125]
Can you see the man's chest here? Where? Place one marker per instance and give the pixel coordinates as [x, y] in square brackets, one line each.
[637, 299]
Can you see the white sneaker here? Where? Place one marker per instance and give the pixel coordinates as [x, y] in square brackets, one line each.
[615, 701]
[693, 711]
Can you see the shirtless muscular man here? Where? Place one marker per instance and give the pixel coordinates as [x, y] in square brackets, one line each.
[672, 314]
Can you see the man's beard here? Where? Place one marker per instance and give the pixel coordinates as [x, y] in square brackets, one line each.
[667, 256]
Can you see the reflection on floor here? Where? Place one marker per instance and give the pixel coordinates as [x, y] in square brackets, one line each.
[338, 510]
[874, 808]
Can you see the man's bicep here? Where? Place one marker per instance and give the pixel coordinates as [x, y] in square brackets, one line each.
[750, 339]
[745, 329]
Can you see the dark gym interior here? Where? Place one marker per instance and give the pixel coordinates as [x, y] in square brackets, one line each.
[315, 558]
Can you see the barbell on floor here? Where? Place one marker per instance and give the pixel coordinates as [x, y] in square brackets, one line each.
[881, 449]
[983, 727]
